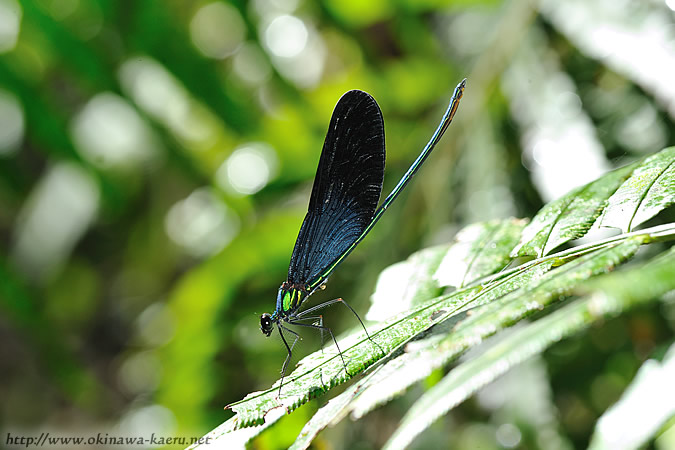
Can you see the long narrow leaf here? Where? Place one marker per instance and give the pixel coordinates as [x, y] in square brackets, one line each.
[309, 378]
[460, 320]
[405, 284]
[497, 315]
[319, 371]
[395, 375]
[650, 282]
[569, 217]
[480, 249]
[649, 190]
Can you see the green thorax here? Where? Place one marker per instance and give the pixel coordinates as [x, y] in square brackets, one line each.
[289, 298]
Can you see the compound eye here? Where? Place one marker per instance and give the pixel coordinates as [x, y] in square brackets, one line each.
[266, 324]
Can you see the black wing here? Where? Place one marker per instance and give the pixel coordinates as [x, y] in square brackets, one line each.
[346, 188]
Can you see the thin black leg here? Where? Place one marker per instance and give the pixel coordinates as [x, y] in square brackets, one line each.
[319, 318]
[321, 327]
[301, 314]
[290, 353]
[297, 336]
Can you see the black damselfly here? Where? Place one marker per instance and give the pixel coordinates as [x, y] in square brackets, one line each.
[342, 209]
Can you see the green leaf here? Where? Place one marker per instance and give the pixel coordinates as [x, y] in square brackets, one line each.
[391, 378]
[405, 284]
[648, 191]
[238, 437]
[429, 331]
[645, 283]
[420, 357]
[334, 411]
[569, 217]
[321, 370]
[463, 320]
[506, 310]
[480, 249]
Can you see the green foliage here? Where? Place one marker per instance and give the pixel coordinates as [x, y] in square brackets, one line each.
[434, 331]
[156, 159]
[644, 194]
[569, 217]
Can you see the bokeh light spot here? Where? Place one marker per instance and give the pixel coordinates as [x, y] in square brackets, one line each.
[248, 169]
[109, 133]
[157, 92]
[642, 131]
[296, 49]
[202, 224]
[156, 325]
[153, 417]
[286, 36]
[508, 435]
[61, 9]
[56, 215]
[250, 64]
[10, 23]
[217, 30]
[13, 125]
[154, 89]
[140, 372]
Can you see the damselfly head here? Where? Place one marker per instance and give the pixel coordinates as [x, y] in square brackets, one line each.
[266, 324]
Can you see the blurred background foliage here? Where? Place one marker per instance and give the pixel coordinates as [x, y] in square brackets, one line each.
[156, 159]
